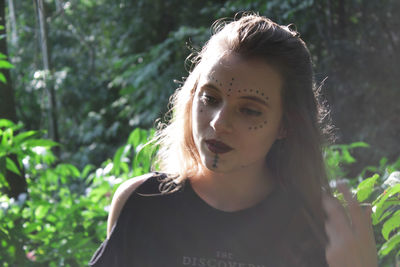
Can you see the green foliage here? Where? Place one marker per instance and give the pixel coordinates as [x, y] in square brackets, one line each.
[339, 156]
[381, 189]
[63, 218]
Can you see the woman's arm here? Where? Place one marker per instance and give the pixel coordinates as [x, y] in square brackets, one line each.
[351, 238]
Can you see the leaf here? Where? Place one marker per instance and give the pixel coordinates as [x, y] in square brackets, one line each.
[347, 157]
[380, 204]
[391, 224]
[23, 136]
[3, 182]
[5, 65]
[68, 170]
[3, 78]
[134, 137]
[41, 211]
[86, 170]
[40, 142]
[358, 144]
[11, 166]
[365, 188]
[390, 245]
[117, 160]
[6, 123]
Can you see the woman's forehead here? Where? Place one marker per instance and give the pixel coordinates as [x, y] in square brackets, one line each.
[235, 73]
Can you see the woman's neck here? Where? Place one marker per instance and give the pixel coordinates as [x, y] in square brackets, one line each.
[232, 191]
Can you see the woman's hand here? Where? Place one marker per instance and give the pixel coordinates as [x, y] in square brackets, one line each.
[351, 238]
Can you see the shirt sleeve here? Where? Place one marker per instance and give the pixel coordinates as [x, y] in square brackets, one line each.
[107, 254]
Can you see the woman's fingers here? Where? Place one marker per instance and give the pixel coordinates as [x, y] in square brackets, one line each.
[339, 232]
[356, 214]
[337, 218]
[350, 233]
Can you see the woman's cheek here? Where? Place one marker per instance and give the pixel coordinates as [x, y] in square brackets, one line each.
[257, 124]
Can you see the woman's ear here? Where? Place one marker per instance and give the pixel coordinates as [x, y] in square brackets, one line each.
[282, 132]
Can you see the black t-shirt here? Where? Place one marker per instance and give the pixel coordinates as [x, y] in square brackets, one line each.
[180, 229]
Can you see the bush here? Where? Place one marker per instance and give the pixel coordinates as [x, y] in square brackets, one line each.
[62, 219]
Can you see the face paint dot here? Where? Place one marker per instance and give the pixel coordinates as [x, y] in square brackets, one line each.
[250, 128]
[233, 79]
[238, 91]
[265, 122]
[257, 91]
[201, 110]
[230, 84]
[229, 95]
[251, 90]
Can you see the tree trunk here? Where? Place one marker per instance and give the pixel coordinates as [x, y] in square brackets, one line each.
[13, 23]
[52, 105]
[17, 183]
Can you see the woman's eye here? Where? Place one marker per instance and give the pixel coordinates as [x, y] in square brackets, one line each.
[250, 112]
[208, 100]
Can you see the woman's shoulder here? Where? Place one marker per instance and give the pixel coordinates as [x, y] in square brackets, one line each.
[123, 193]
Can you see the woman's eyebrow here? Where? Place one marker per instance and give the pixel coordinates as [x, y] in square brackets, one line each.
[211, 86]
[248, 97]
[256, 99]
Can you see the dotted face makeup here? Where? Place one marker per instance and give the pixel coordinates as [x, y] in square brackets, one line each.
[215, 163]
[257, 92]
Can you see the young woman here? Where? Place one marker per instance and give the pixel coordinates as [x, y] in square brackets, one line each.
[243, 181]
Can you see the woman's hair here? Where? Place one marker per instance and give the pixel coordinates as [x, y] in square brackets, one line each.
[296, 160]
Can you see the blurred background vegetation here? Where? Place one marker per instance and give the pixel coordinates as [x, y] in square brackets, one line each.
[82, 82]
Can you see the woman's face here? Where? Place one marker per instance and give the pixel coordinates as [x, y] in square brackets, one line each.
[236, 113]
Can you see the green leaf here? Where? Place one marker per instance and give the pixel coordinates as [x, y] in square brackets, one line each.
[3, 181]
[68, 170]
[117, 160]
[41, 211]
[5, 65]
[391, 224]
[86, 170]
[358, 144]
[23, 136]
[134, 137]
[390, 245]
[348, 158]
[6, 123]
[381, 204]
[366, 187]
[3, 78]
[11, 166]
[40, 142]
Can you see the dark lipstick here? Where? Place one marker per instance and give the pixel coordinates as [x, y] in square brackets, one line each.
[217, 147]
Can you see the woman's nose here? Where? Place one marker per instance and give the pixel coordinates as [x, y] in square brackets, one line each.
[222, 120]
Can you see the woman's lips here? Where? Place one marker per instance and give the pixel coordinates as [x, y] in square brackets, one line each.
[217, 147]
